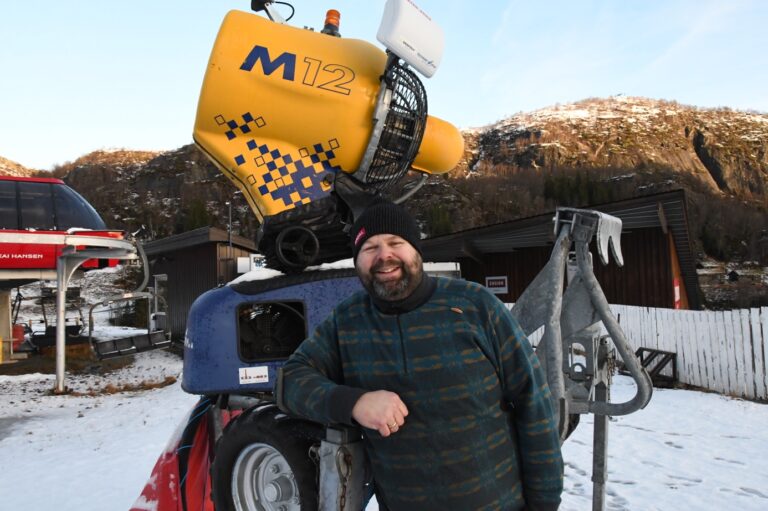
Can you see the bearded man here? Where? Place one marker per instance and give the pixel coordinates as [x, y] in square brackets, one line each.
[455, 409]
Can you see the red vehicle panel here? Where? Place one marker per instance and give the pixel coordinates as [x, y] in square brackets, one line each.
[36, 214]
[42, 249]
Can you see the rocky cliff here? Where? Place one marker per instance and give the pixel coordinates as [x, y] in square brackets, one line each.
[716, 150]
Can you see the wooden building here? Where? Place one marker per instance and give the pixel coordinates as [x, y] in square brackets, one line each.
[192, 263]
[659, 268]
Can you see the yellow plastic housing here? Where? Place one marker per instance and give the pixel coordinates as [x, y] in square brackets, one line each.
[441, 147]
[283, 109]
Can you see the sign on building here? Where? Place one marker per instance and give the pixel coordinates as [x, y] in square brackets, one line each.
[246, 264]
[497, 284]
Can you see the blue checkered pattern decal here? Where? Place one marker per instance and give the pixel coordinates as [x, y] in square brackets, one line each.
[243, 126]
[294, 179]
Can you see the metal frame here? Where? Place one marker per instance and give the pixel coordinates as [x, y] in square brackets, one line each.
[155, 338]
[77, 250]
[379, 118]
[571, 319]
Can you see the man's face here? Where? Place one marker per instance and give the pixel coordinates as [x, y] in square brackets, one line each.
[389, 267]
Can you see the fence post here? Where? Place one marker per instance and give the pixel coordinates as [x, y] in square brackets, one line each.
[748, 354]
[764, 341]
[709, 326]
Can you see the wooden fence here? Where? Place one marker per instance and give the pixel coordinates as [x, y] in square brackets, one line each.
[723, 351]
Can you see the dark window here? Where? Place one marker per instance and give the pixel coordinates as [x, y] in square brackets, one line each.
[9, 215]
[36, 206]
[270, 331]
[74, 211]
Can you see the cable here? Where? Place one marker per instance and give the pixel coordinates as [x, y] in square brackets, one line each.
[202, 412]
[186, 443]
[293, 11]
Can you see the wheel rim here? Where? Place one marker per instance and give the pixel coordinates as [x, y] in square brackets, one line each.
[297, 246]
[262, 480]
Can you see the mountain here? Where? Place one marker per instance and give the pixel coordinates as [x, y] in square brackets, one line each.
[156, 194]
[600, 150]
[588, 152]
[11, 168]
[719, 151]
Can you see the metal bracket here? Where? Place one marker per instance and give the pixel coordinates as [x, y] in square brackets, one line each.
[380, 112]
[344, 469]
[266, 6]
[570, 318]
[585, 223]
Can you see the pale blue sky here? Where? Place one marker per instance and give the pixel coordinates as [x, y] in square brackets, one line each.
[80, 75]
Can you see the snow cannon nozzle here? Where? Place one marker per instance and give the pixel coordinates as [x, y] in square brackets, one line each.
[329, 108]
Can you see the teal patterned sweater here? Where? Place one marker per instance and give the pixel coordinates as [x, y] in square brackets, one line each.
[470, 442]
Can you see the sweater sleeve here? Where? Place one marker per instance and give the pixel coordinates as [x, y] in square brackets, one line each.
[526, 390]
[313, 379]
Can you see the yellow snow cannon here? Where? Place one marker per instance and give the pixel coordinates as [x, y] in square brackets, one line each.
[310, 126]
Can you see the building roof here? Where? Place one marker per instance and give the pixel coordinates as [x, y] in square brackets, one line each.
[196, 237]
[33, 179]
[666, 210]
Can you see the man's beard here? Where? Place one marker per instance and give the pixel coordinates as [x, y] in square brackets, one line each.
[398, 290]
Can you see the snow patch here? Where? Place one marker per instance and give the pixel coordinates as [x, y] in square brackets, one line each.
[268, 273]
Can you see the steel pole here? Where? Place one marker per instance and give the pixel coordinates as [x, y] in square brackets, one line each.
[61, 303]
[66, 264]
[600, 451]
[229, 227]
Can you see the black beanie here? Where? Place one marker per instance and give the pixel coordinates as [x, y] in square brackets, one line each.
[384, 218]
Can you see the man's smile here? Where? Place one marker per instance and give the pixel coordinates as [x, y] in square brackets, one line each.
[388, 272]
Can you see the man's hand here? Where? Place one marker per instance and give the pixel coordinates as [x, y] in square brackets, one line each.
[381, 410]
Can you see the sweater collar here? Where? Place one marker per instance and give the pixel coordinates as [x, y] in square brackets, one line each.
[419, 297]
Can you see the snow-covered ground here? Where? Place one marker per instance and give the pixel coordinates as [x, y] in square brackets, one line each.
[95, 450]
[92, 450]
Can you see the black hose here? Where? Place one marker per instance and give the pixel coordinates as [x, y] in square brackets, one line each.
[144, 267]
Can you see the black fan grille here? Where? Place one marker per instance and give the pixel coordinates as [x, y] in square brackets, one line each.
[403, 129]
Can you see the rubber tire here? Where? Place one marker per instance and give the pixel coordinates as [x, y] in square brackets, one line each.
[265, 424]
[297, 247]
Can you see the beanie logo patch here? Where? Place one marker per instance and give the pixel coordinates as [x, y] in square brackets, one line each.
[360, 235]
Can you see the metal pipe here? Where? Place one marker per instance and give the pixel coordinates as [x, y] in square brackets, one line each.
[639, 374]
[144, 266]
[552, 338]
[407, 195]
[600, 451]
[62, 282]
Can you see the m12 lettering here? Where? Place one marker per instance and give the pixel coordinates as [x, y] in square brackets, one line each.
[329, 77]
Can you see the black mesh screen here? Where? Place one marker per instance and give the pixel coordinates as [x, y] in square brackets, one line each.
[404, 128]
[270, 331]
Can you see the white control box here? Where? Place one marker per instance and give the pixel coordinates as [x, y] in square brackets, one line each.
[412, 35]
